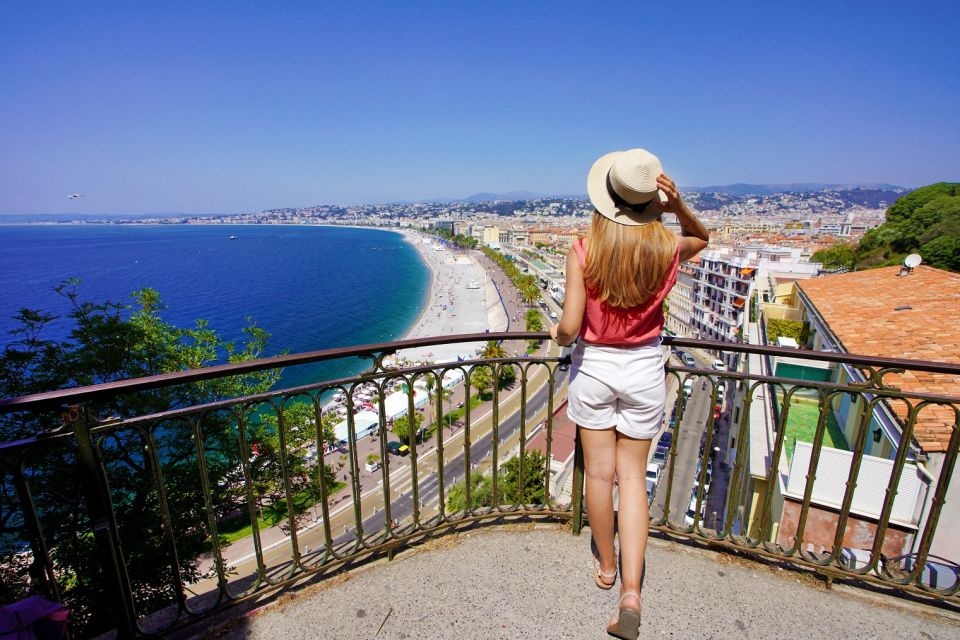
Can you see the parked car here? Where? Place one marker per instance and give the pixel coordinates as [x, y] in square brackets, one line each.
[718, 365]
[653, 472]
[692, 510]
[651, 490]
[659, 458]
[397, 448]
[687, 359]
[696, 487]
[666, 438]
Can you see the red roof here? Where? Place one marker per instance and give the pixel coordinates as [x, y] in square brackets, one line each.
[564, 436]
[879, 313]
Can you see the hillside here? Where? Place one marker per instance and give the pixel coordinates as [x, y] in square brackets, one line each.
[924, 221]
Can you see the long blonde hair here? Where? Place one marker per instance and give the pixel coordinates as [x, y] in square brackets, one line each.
[625, 265]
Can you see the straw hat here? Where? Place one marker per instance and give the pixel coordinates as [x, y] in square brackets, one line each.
[621, 185]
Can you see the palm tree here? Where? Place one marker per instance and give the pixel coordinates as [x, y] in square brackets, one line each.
[507, 374]
[493, 350]
[433, 384]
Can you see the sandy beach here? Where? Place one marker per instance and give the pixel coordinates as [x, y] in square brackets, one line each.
[455, 306]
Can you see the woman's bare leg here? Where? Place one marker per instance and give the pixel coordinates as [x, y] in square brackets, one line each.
[632, 516]
[600, 463]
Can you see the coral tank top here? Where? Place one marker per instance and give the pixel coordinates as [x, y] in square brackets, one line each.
[603, 324]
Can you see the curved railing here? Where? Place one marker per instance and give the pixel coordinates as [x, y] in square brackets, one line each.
[208, 501]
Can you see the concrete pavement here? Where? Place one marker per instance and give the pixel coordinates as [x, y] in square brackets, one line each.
[534, 581]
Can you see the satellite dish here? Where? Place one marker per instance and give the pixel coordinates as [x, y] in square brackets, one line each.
[912, 260]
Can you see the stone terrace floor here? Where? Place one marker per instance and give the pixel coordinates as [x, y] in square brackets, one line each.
[534, 581]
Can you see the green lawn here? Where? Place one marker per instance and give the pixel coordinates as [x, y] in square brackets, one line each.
[802, 426]
[456, 414]
[240, 527]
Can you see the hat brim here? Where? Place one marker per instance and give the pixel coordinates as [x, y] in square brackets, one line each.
[599, 193]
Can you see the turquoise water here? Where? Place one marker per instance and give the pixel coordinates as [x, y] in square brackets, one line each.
[309, 287]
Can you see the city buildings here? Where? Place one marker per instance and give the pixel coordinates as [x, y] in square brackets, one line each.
[725, 279]
[893, 312]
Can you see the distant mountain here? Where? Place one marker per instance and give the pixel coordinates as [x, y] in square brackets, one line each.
[743, 189]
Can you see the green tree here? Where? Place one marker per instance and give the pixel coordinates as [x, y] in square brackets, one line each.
[507, 375]
[434, 387]
[532, 490]
[108, 342]
[841, 256]
[925, 221]
[534, 322]
[401, 426]
[795, 329]
[509, 490]
[482, 380]
[481, 492]
[267, 466]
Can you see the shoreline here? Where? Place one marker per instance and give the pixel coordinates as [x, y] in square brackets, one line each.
[458, 308]
[409, 237]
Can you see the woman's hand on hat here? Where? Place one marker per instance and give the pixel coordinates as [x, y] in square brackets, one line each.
[666, 184]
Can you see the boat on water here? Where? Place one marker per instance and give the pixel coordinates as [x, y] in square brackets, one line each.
[473, 285]
[234, 238]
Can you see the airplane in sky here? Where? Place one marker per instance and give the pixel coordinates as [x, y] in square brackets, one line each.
[74, 196]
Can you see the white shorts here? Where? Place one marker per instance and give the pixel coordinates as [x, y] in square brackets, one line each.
[618, 387]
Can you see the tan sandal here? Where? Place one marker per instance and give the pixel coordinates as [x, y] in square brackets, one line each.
[600, 575]
[625, 623]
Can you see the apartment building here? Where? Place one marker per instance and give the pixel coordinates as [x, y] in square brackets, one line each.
[882, 313]
[491, 236]
[680, 299]
[724, 282]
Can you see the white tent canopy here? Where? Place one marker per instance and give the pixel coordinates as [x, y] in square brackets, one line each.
[396, 404]
[365, 423]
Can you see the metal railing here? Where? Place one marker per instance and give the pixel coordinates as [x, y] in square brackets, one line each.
[145, 522]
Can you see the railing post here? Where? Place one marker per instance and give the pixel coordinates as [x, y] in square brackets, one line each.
[119, 597]
[577, 504]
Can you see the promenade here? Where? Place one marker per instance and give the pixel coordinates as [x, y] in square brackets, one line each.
[452, 308]
[464, 298]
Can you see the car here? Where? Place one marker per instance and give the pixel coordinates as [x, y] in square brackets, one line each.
[687, 387]
[553, 315]
[721, 391]
[692, 510]
[659, 457]
[651, 490]
[653, 472]
[666, 438]
[687, 360]
[397, 448]
[718, 365]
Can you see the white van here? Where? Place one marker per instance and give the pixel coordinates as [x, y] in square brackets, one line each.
[719, 365]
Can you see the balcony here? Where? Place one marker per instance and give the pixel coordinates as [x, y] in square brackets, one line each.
[181, 519]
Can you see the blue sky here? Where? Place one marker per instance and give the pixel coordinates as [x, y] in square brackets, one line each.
[239, 106]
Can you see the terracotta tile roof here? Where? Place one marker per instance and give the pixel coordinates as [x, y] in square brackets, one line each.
[860, 310]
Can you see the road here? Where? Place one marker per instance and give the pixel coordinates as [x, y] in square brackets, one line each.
[688, 434]
[277, 549]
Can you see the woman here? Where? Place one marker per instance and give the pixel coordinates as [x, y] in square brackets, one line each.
[617, 279]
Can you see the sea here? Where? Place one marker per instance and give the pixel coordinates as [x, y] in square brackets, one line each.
[309, 287]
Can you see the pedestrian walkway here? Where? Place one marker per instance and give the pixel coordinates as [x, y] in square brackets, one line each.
[535, 582]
